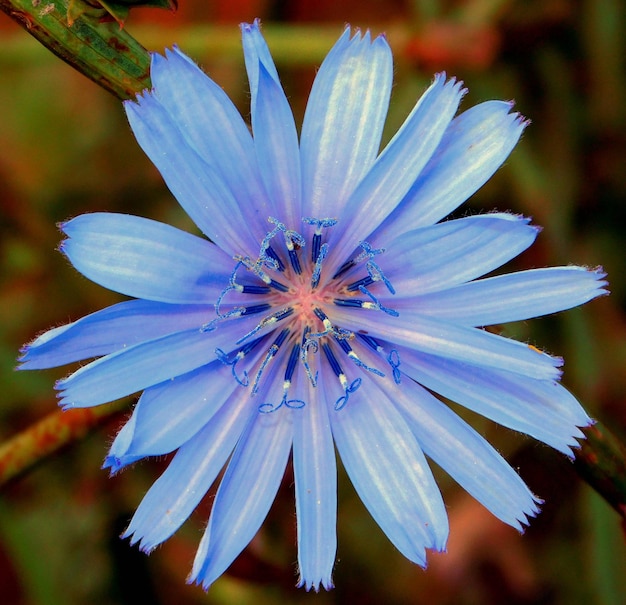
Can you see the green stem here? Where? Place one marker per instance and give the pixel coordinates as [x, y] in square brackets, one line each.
[98, 48]
[601, 462]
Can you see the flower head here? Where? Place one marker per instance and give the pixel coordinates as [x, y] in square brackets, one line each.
[327, 308]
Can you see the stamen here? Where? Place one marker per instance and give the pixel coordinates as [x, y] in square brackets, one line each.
[251, 345]
[307, 344]
[280, 266]
[293, 241]
[255, 289]
[233, 360]
[295, 261]
[320, 223]
[370, 342]
[223, 357]
[376, 274]
[328, 326]
[294, 404]
[316, 247]
[268, 255]
[272, 258]
[332, 360]
[365, 281]
[394, 361]
[376, 304]
[281, 337]
[317, 270]
[347, 265]
[271, 352]
[212, 325]
[278, 286]
[368, 252]
[253, 309]
[351, 388]
[291, 364]
[356, 303]
[267, 321]
[268, 357]
[353, 356]
[283, 313]
[232, 285]
[320, 314]
[255, 267]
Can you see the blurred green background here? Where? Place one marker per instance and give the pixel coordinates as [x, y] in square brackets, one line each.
[65, 149]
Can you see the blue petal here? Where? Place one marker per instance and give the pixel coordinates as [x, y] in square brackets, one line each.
[146, 364]
[196, 185]
[145, 259]
[121, 442]
[469, 345]
[447, 254]
[397, 167]
[212, 126]
[177, 492]
[275, 133]
[540, 408]
[344, 120]
[465, 455]
[117, 327]
[390, 473]
[256, 53]
[513, 297]
[472, 149]
[316, 490]
[169, 414]
[276, 143]
[245, 494]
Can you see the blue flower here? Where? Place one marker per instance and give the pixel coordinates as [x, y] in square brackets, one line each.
[327, 308]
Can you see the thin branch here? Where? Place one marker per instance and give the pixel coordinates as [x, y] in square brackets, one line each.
[46, 437]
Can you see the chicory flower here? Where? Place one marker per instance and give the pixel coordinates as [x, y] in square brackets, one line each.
[327, 307]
